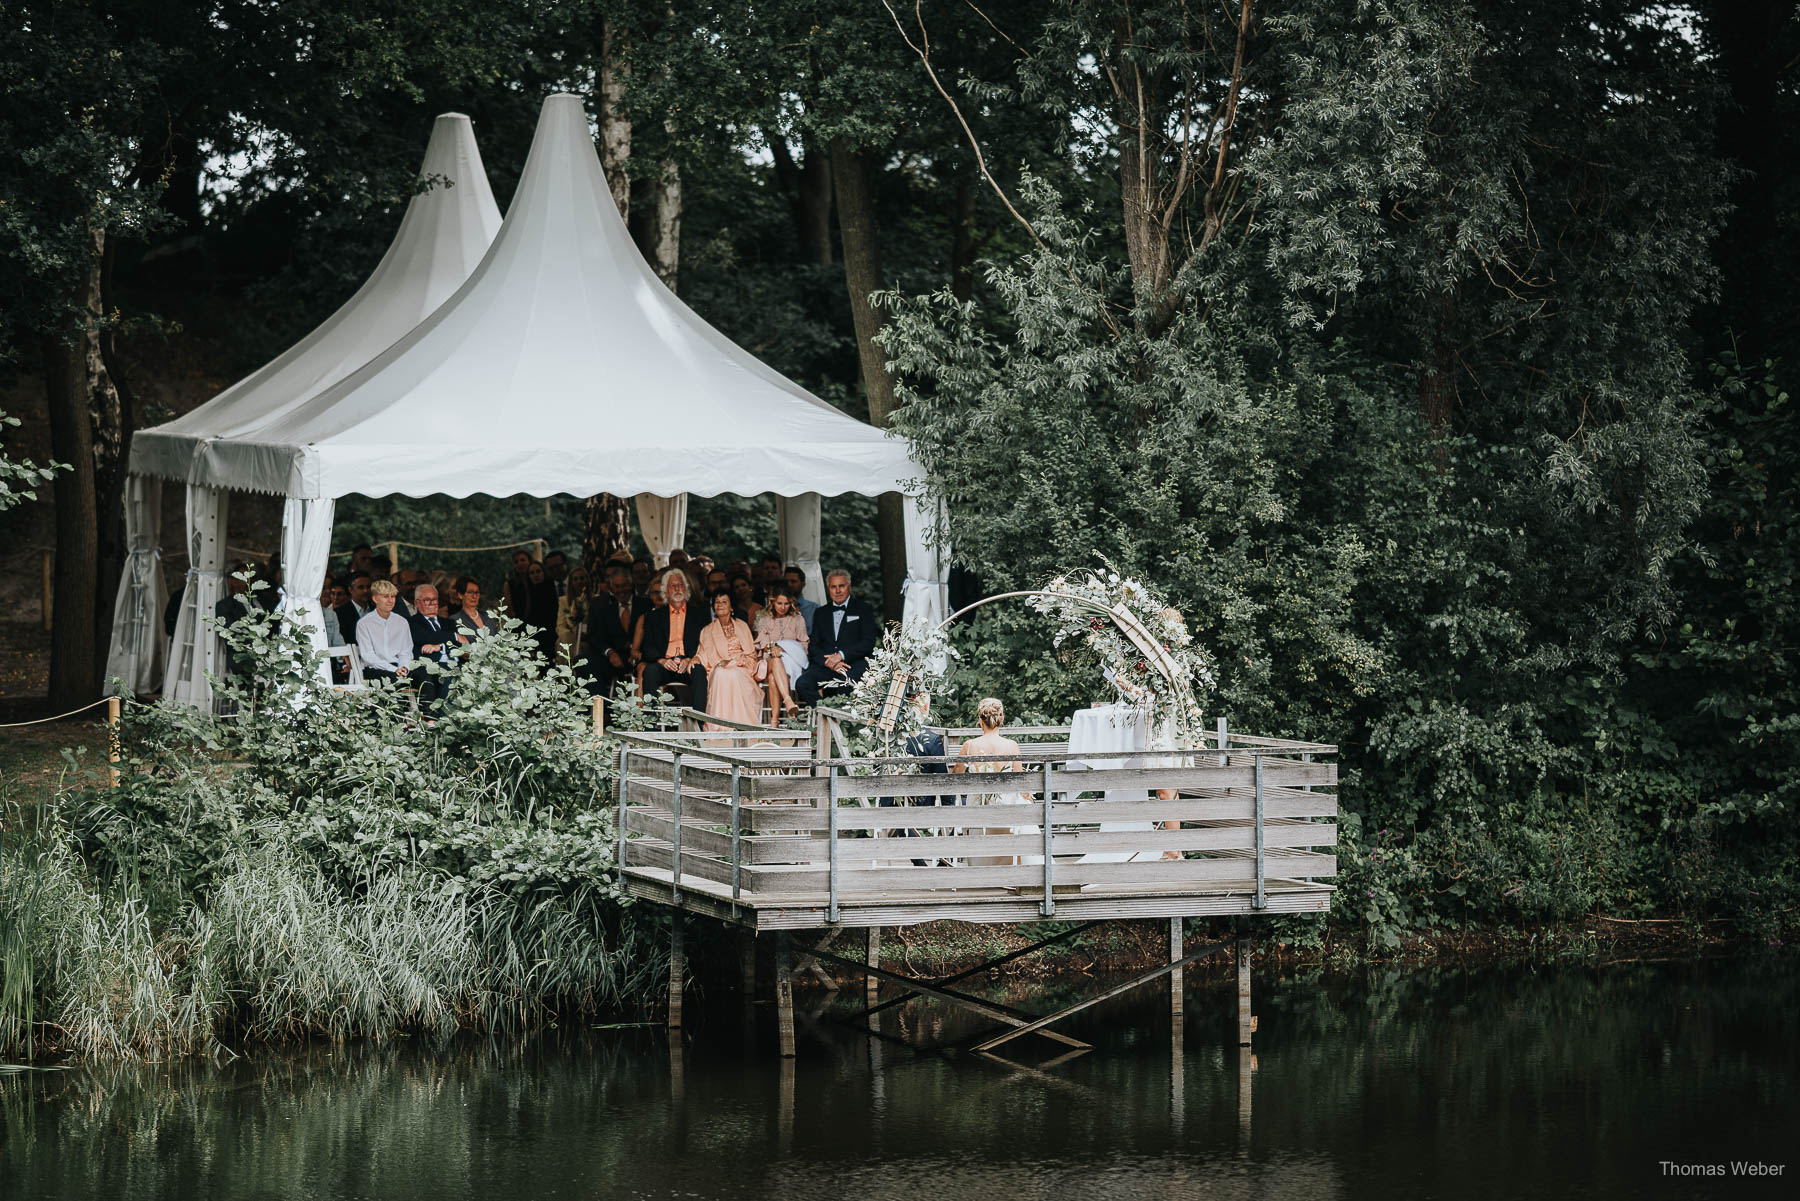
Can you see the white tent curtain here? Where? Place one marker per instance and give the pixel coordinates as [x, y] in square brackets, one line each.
[137, 651]
[196, 650]
[305, 551]
[927, 592]
[663, 522]
[797, 524]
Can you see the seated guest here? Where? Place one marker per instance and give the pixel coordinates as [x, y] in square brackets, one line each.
[728, 654]
[472, 621]
[540, 610]
[513, 591]
[408, 582]
[556, 566]
[352, 610]
[768, 573]
[571, 614]
[612, 627]
[843, 638]
[642, 572]
[667, 642]
[381, 567]
[743, 599]
[782, 638]
[678, 557]
[383, 637]
[435, 641]
[796, 586]
[362, 558]
[656, 600]
[334, 635]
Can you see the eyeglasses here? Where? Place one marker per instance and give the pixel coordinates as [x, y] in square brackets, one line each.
[426, 600]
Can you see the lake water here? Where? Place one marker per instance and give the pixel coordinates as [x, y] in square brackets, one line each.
[1558, 1082]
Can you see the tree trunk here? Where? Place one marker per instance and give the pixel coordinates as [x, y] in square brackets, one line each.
[862, 275]
[615, 124]
[1437, 380]
[112, 413]
[1748, 35]
[665, 242]
[606, 519]
[808, 188]
[1140, 191]
[68, 385]
[606, 529]
[962, 243]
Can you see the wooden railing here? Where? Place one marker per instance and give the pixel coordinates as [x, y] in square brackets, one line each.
[763, 817]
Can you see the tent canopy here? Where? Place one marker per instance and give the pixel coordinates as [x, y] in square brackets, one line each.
[562, 366]
[442, 237]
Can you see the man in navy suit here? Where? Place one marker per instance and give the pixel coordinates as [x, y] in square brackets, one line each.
[434, 640]
[843, 637]
[612, 620]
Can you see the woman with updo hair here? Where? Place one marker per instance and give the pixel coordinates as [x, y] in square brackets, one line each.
[986, 754]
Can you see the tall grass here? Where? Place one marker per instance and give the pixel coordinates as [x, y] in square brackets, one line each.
[276, 951]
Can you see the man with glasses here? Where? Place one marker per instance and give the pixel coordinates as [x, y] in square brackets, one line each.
[434, 641]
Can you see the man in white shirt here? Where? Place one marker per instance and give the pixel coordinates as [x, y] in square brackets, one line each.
[384, 639]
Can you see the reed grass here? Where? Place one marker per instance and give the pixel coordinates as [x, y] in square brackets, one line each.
[278, 952]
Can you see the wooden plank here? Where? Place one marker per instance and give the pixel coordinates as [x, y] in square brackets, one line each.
[765, 818]
[861, 877]
[801, 913]
[776, 849]
[1277, 773]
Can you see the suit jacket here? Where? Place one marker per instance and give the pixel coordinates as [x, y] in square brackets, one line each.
[348, 616]
[855, 643]
[604, 631]
[423, 634]
[656, 632]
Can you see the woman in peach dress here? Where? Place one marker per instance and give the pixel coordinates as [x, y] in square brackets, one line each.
[781, 637]
[729, 656]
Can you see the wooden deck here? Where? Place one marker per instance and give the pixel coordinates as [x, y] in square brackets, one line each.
[775, 830]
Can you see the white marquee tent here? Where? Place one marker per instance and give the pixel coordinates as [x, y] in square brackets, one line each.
[562, 365]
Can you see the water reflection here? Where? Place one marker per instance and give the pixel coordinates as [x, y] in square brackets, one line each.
[1475, 1084]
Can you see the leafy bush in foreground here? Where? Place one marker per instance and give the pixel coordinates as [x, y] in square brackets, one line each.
[317, 862]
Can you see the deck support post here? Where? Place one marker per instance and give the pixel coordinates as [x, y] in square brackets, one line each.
[1246, 1023]
[784, 992]
[675, 969]
[747, 963]
[872, 957]
[1176, 944]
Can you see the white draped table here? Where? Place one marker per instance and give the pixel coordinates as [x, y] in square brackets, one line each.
[1112, 728]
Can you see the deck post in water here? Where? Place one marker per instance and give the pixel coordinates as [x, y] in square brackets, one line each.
[784, 992]
[873, 958]
[747, 963]
[1176, 946]
[1246, 1023]
[675, 969]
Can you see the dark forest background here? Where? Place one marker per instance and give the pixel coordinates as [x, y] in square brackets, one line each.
[1434, 358]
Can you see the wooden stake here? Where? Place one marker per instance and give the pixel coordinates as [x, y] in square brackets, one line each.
[784, 992]
[112, 740]
[1246, 1023]
[747, 963]
[599, 716]
[393, 559]
[1177, 943]
[873, 959]
[675, 969]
